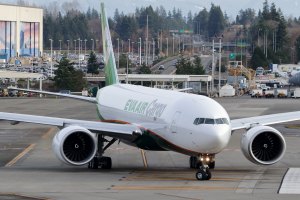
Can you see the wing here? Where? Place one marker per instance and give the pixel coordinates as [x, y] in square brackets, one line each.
[121, 131]
[265, 120]
[83, 98]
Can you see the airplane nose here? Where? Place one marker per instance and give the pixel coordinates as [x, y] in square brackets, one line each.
[217, 138]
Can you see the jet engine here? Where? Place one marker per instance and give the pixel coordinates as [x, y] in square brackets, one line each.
[75, 145]
[263, 145]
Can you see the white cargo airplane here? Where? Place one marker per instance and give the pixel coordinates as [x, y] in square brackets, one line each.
[158, 120]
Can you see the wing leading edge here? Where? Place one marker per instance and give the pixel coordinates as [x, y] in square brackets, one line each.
[120, 131]
[264, 120]
[83, 98]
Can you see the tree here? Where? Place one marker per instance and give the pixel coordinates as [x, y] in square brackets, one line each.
[67, 78]
[216, 21]
[186, 66]
[144, 69]
[258, 59]
[93, 65]
[297, 47]
[198, 67]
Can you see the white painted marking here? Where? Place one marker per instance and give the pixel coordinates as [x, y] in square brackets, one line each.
[291, 182]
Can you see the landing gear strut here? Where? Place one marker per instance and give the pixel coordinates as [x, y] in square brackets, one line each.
[203, 163]
[99, 160]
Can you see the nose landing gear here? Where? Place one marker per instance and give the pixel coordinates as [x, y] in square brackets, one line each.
[203, 173]
[203, 163]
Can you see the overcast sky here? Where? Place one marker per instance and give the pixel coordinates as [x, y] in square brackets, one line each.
[231, 7]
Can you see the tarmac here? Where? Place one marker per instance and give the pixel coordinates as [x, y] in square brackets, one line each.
[30, 170]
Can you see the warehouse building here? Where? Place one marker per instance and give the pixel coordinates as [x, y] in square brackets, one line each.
[21, 31]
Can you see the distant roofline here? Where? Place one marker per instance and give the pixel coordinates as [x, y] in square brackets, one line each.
[7, 4]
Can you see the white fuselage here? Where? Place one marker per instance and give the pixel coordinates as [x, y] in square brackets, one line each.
[169, 115]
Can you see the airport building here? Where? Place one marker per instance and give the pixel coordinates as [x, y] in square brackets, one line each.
[21, 31]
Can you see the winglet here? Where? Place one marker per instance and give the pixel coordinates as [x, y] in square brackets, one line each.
[111, 75]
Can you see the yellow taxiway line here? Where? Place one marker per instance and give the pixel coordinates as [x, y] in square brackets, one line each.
[18, 157]
[48, 133]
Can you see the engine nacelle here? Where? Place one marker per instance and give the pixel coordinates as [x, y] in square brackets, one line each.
[75, 145]
[263, 145]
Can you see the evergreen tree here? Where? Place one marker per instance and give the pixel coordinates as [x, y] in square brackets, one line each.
[67, 78]
[198, 67]
[216, 21]
[258, 59]
[297, 47]
[93, 65]
[144, 69]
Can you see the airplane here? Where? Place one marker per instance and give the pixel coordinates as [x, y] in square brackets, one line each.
[157, 120]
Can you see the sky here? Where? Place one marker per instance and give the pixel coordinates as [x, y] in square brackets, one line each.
[231, 7]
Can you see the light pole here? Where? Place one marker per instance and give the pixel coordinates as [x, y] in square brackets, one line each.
[132, 48]
[153, 51]
[128, 46]
[51, 57]
[79, 52]
[167, 46]
[96, 44]
[220, 51]
[213, 65]
[59, 47]
[118, 39]
[92, 45]
[85, 46]
[173, 44]
[75, 47]
[140, 52]
[68, 41]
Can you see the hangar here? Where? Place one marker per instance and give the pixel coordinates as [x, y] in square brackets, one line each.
[21, 31]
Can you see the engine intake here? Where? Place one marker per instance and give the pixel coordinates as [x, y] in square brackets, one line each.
[263, 145]
[75, 145]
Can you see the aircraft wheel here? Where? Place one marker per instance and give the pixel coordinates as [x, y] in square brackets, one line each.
[94, 163]
[203, 174]
[106, 163]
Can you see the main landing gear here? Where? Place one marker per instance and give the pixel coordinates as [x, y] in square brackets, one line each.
[99, 160]
[203, 163]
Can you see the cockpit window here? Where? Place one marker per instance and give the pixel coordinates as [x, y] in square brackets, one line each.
[225, 121]
[198, 121]
[209, 121]
[219, 121]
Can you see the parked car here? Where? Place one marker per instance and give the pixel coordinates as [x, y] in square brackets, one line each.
[161, 67]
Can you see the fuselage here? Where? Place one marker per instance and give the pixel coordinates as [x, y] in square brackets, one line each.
[186, 123]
